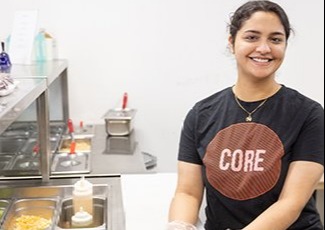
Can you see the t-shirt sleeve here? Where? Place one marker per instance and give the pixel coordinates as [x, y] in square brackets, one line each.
[188, 141]
[309, 145]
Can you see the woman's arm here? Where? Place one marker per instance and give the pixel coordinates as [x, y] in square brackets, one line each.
[187, 200]
[301, 181]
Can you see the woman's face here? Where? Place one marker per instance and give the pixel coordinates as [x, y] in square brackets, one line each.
[259, 46]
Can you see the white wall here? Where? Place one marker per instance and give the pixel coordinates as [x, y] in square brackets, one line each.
[166, 54]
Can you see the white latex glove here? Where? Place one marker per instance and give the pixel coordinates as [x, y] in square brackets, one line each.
[180, 225]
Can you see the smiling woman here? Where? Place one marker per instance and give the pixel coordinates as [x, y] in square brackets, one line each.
[257, 147]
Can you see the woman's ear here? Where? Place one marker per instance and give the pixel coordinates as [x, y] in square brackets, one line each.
[231, 44]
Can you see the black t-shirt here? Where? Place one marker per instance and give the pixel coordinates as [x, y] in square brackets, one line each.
[245, 163]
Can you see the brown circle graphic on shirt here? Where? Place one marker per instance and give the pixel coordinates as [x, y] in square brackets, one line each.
[243, 160]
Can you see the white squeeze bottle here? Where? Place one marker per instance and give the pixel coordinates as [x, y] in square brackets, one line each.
[81, 219]
[83, 196]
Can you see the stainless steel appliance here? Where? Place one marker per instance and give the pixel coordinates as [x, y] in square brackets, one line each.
[32, 128]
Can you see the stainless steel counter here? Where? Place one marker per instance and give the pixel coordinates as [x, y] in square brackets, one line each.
[110, 162]
[105, 161]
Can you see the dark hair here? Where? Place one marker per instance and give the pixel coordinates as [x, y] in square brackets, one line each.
[244, 12]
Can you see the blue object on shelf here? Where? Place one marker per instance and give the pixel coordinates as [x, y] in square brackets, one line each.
[5, 64]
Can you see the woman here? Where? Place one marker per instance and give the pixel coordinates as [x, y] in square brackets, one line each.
[256, 148]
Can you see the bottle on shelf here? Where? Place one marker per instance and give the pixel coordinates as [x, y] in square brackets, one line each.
[40, 46]
[5, 64]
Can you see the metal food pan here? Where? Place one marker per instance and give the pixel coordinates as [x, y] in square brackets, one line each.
[26, 163]
[19, 130]
[34, 202]
[38, 207]
[85, 130]
[5, 161]
[56, 130]
[119, 122]
[29, 145]
[99, 214]
[4, 206]
[23, 125]
[16, 133]
[118, 127]
[83, 144]
[65, 163]
[22, 165]
[11, 145]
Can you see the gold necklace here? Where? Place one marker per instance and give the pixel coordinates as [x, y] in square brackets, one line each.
[249, 117]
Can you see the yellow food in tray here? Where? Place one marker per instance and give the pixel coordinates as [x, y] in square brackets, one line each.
[31, 222]
[82, 145]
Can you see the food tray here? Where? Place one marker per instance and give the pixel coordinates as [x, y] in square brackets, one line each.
[5, 161]
[36, 207]
[4, 206]
[119, 122]
[22, 125]
[18, 133]
[83, 144]
[56, 130]
[85, 130]
[66, 163]
[11, 145]
[19, 130]
[29, 145]
[24, 162]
